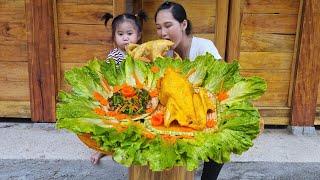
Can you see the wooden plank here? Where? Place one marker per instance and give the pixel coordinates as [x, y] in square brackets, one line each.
[14, 71]
[81, 2]
[276, 120]
[18, 109]
[71, 13]
[13, 53]
[221, 26]
[268, 75]
[267, 42]
[12, 33]
[275, 96]
[269, 23]
[119, 7]
[275, 111]
[317, 47]
[12, 11]
[75, 53]
[295, 52]
[265, 60]
[233, 39]
[14, 91]
[192, 7]
[271, 6]
[41, 54]
[57, 45]
[80, 34]
[307, 78]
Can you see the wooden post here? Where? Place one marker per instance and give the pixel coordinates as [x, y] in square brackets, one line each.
[307, 67]
[295, 53]
[234, 31]
[144, 173]
[221, 26]
[42, 60]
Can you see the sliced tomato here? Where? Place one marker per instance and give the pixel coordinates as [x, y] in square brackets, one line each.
[157, 119]
[155, 69]
[222, 96]
[128, 91]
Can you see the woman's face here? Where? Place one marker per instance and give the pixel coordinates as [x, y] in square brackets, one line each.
[169, 28]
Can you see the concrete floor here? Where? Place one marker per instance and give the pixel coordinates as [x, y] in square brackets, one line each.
[39, 151]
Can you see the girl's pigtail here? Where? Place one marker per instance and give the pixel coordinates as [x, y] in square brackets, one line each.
[142, 16]
[106, 17]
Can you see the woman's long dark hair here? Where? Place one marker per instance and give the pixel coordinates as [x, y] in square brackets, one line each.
[178, 13]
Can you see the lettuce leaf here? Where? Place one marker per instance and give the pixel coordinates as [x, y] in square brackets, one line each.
[249, 89]
[84, 82]
[72, 106]
[221, 76]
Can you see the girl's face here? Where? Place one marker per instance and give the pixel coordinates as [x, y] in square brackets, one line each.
[169, 28]
[126, 33]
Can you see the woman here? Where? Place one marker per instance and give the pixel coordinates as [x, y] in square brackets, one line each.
[172, 24]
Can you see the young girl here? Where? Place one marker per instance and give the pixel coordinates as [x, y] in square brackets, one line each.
[126, 28]
[172, 24]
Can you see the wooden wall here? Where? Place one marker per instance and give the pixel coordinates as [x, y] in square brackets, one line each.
[14, 82]
[82, 34]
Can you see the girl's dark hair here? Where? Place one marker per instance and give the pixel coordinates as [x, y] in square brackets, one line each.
[136, 19]
[178, 13]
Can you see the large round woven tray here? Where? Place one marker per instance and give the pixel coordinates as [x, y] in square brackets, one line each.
[87, 140]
